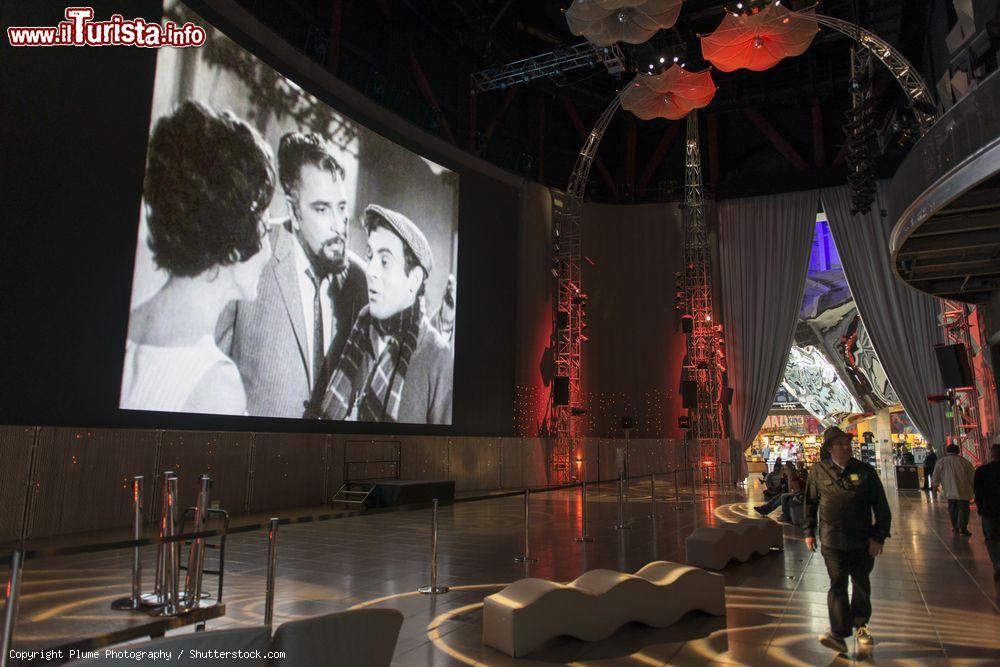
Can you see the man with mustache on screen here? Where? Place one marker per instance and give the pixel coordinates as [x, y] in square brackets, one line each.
[286, 343]
[395, 367]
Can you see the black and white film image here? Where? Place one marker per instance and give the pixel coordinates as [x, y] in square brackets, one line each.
[290, 262]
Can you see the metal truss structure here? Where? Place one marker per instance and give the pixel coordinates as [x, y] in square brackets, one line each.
[917, 93]
[571, 300]
[703, 362]
[862, 137]
[551, 63]
[964, 402]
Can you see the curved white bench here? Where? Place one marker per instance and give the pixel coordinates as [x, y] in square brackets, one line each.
[529, 612]
[714, 547]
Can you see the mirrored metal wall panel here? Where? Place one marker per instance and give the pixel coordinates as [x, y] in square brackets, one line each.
[289, 470]
[475, 463]
[224, 456]
[425, 457]
[335, 473]
[83, 478]
[15, 451]
[537, 461]
[512, 463]
[366, 459]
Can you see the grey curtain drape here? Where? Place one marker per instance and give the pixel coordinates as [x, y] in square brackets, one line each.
[902, 322]
[764, 246]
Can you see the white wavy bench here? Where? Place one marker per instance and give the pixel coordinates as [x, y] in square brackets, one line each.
[713, 547]
[529, 612]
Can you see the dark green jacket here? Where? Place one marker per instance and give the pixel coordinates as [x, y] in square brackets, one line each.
[846, 501]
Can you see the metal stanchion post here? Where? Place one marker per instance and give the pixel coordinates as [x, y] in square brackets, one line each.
[272, 568]
[13, 592]
[694, 483]
[158, 596]
[677, 491]
[622, 524]
[171, 561]
[196, 555]
[526, 556]
[584, 537]
[434, 589]
[652, 497]
[134, 601]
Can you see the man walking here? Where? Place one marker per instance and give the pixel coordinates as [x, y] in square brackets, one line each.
[954, 473]
[847, 493]
[986, 484]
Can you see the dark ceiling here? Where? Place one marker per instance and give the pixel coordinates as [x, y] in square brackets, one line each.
[777, 130]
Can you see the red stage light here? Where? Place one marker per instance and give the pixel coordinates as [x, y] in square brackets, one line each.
[758, 41]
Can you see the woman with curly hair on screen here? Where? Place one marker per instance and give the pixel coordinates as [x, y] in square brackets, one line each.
[209, 181]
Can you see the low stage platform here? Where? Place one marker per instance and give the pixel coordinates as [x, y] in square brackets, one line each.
[393, 492]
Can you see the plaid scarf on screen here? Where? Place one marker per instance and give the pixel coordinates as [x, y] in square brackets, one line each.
[383, 378]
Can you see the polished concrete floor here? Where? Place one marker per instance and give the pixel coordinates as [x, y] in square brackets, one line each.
[934, 599]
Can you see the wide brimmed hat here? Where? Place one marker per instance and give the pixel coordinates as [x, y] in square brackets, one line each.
[835, 433]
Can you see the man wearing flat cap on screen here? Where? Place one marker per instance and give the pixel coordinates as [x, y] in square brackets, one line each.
[395, 366]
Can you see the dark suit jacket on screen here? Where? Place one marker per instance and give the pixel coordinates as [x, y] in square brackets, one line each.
[267, 337]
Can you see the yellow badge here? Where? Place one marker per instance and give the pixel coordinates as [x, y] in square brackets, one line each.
[854, 477]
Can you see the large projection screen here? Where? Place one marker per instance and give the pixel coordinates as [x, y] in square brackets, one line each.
[290, 262]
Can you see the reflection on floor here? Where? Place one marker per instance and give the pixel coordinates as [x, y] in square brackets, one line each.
[934, 599]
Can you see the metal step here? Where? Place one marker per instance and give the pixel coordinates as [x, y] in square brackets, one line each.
[343, 493]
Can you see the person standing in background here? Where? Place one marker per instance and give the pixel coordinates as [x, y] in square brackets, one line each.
[929, 462]
[954, 473]
[986, 484]
[444, 318]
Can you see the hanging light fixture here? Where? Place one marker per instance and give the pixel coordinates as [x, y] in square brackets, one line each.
[604, 22]
[759, 40]
[672, 94]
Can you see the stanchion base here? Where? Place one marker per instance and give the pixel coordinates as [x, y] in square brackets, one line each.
[202, 602]
[585, 538]
[168, 610]
[623, 526]
[432, 590]
[524, 558]
[152, 600]
[128, 604]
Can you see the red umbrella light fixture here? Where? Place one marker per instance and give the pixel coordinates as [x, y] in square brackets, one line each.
[672, 94]
[604, 22]
[758, 41]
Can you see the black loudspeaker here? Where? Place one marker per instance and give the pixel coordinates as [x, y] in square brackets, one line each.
[953, 360]
[689, 393]
[627, 422]
[727, 395]
[687, 324]
[560, 390]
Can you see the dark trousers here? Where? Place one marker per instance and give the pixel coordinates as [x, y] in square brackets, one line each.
[852, 565]
[958, 510]
[991, 531]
